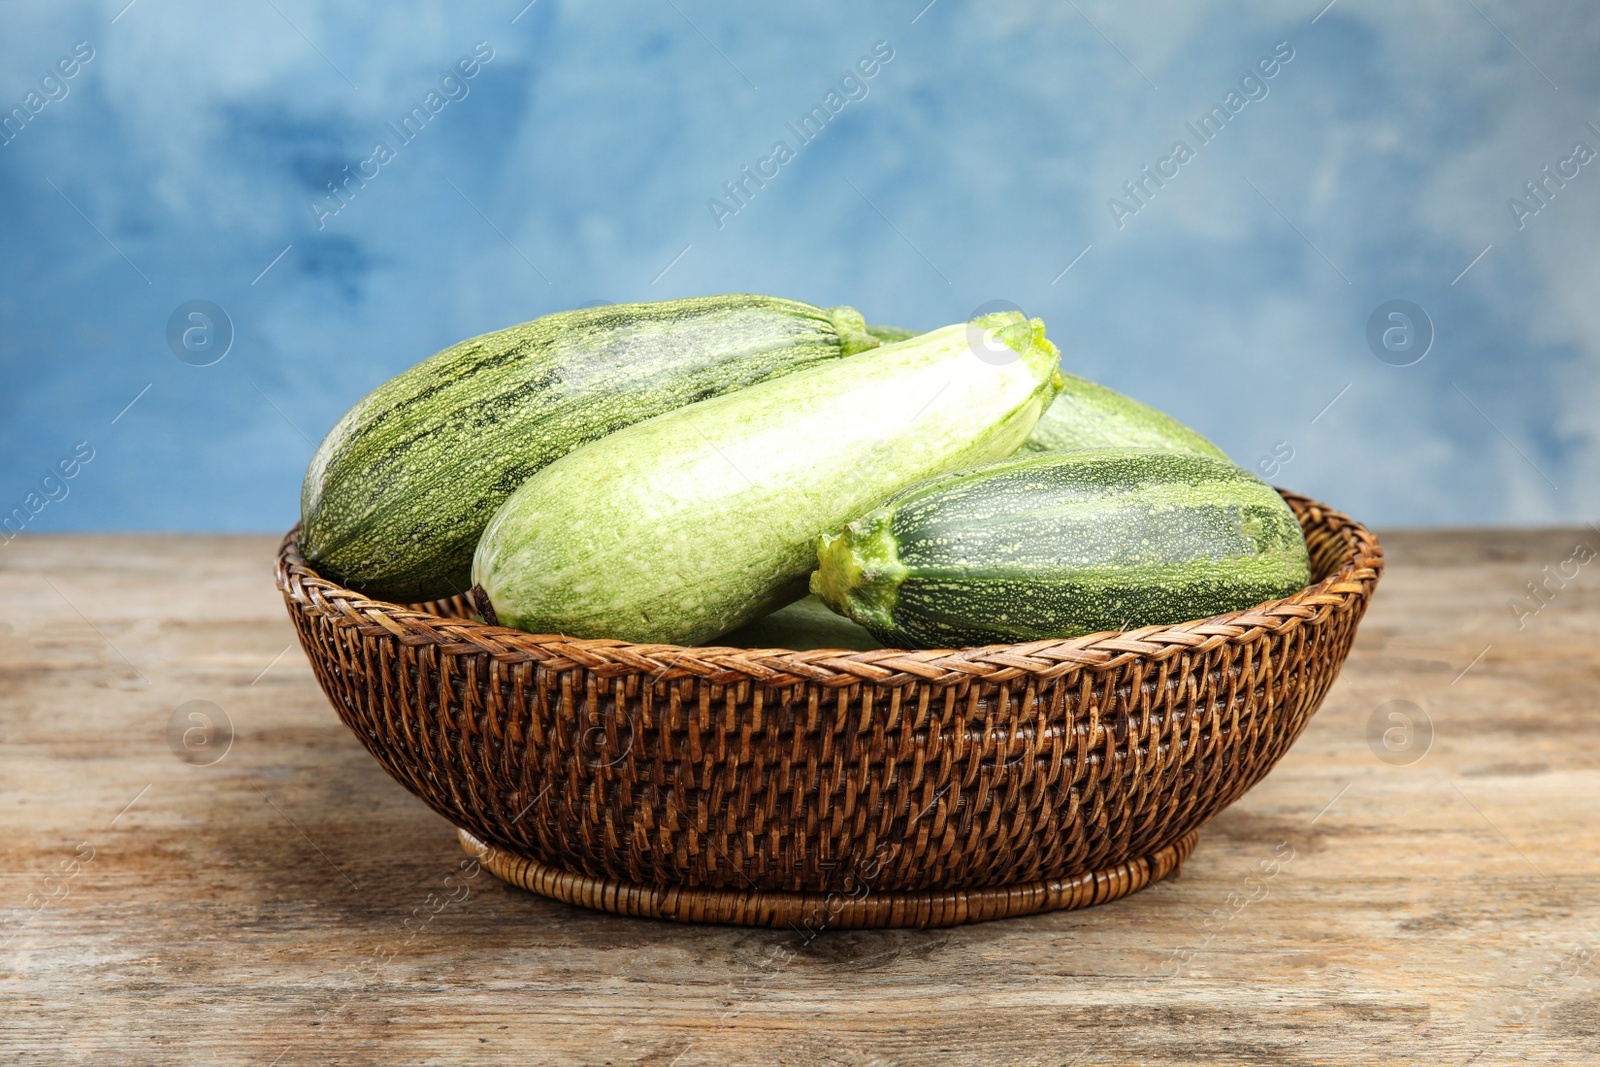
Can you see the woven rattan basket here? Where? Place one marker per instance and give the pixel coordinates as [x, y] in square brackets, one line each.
[834, 789]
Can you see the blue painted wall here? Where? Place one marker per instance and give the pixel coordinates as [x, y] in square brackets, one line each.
[187, 156]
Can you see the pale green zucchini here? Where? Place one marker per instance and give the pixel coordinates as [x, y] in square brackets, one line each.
[401, 488]
[1061, 545]
[1089, 415]
[688, 525]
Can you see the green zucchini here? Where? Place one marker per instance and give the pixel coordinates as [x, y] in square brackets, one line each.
[1061, 545]
[401, 488]
[1089, 415]
[890, 334]
[688, 525]
[802, 626]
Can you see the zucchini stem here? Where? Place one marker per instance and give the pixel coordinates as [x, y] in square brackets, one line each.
[859, 571]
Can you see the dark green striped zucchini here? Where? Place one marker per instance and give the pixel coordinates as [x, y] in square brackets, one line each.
[1088, 415]
[1062, 545]
[401, 488]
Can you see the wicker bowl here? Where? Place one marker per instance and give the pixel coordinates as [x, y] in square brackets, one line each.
[829, 788]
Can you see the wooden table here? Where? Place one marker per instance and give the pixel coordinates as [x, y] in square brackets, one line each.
[1437, 905]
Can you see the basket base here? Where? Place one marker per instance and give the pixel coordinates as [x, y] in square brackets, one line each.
[838, 911]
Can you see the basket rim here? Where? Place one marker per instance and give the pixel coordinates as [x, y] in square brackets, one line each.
[1349, 584]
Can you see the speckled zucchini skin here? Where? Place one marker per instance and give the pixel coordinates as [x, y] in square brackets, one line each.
[1088, 415]
[401, 488]
[1061, 545]
[688, 525]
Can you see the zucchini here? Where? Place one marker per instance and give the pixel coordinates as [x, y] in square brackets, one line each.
[1061, 545]
[688, 525]
[802, 626]
[1089, 415]
[401, 488]
[890, 334]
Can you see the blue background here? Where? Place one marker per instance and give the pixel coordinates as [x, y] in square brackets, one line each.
[187, 154]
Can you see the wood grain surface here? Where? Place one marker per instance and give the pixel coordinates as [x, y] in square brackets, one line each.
[1403, 899]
